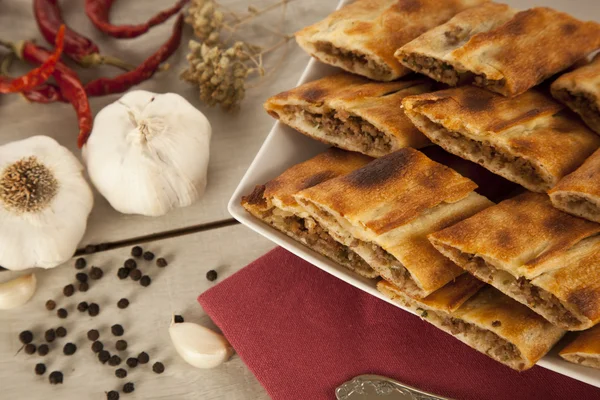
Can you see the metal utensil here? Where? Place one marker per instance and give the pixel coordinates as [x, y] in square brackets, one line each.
[375, 387]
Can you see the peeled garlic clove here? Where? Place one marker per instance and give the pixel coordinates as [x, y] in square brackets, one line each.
[148, 153]
[17, 292]
[199, 346]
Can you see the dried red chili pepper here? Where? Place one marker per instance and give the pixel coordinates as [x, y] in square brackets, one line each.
[79, 48]
[98, 12]
[45, 93]
[121, 83]
[36, 76]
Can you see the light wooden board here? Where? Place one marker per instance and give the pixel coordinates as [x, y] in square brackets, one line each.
[174, 289]
[236, 137]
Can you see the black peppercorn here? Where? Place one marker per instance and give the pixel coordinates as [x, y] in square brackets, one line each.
[112, 395]
[97, 347]
[50, 335]
[132, 362]
[93, 309]
[117, 330]
[128, 387]
[84, 287]
[148, 256]
[103, 356]
[40, 369]
[69, 290]
[43, 350]
[211, 275]
[123, 273]
[130, 264]
[61, 332]
[69, 349]
[90, 248]
[55, 378]
[81, 277]
[50, 305]
[145, 281]
[136, 251]
[136, 275]
[123, 303]
[93, 335]
[114, 361]
[158, 367]
[26, 337]
[161, 262]
[30, 348]
[121, 345]
[178, 319]
[83, 306]
[62, 313]
[143, 358]
[80, 263]
[121, 373]
[96, 273]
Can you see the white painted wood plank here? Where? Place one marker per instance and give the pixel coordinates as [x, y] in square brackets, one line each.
[173, 290]
[236, 137]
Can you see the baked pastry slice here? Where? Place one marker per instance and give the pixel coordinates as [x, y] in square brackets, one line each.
[585, 349]
[500, 50]
[273, 203]
[352, 113]
[385, 210]
[534, 253]
[363, 36]
[580, 90]
[489, 322]
[529, 139]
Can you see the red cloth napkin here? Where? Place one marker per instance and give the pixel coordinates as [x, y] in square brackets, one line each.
[303, 332]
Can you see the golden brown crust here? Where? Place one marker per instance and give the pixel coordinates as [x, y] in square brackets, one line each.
[586, 344]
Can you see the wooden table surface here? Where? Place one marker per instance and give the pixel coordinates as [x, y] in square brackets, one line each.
[194, 239]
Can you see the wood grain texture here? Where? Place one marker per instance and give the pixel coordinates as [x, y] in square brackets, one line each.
[174, 289]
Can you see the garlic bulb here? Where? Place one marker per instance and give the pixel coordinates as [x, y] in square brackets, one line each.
[44, 203]
[17, 292]
[148, 153]
[199, 346]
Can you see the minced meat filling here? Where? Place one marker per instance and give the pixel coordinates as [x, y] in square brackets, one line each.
[437, 69]
[351, 58]
[579, 205]
[588, 361]
[483, 81]
[582, 101]
[357, 132]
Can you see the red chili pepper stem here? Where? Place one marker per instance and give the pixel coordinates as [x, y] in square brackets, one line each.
[94, 59]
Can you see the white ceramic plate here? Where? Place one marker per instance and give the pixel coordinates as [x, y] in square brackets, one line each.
[284, 147]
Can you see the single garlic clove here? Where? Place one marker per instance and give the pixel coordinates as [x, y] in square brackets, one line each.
[17, 292]
[199, 346]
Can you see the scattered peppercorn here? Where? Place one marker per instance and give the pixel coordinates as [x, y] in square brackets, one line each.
[30, 348]
[158, 367]
[62, 313]
[90, 248]
[40, 369]
[26, 337]
[97, 347]
[178, 319]
[137, 251]
[43, 350]
[117, 330]
[132, 362]
[83, 306]
[80, 263]
[121, 373]
[96, 273]
[93, 335]
[114, 361]
[50, 305]
[56, 377]
[112, 395]
[103, 356]
[93, 309]
[121, 345]
[148, 256]
[84, 287]
[69, 290]
[136, 275]
[145, 281]
[69, 349]
[211, 275]
[123, 303]
[81, 277]
[50, 335]
[61, 332]
[143, 358]
[161, 262]
[130, 264]
[128, 387]
[123, 273]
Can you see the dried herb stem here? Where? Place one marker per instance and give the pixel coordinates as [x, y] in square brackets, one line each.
[252, 15]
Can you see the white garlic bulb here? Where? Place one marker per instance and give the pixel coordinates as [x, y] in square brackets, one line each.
[44, 203]
[199, 346]
[148, 153]
[17, 292]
